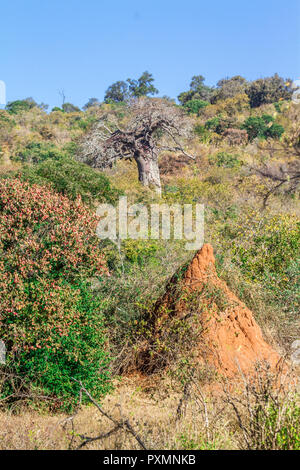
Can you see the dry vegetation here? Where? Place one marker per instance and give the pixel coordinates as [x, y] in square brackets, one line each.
[161, 414]
[257, 254]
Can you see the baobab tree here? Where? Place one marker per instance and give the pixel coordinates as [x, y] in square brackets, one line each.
[154, 125]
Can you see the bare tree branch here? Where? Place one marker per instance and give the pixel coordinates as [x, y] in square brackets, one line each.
[283, 173]
[123, 423]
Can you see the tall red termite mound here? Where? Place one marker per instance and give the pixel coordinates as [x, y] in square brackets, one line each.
[230, 339]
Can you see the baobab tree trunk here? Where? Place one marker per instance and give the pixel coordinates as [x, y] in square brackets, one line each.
[150, 124]
[148, 171]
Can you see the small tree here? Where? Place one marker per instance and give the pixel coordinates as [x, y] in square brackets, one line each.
[117, 92]
[143, 86]
[229, 87]
[269, 90]
[152, 126]
[262, 127]
[197, 91]
[70, 108]
[15, 107]
[194, 106]
[72, 179]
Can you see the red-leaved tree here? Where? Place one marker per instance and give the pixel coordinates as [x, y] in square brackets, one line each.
[51, 325]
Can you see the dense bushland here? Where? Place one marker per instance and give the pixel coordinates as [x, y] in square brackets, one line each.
[50, 323]
[62, 317]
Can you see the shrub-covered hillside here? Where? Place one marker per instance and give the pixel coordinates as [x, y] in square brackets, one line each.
[74, 307]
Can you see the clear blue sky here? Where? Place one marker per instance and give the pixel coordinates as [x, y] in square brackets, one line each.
[83, 46]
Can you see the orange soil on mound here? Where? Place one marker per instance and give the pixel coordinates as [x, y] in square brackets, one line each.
[230, 338]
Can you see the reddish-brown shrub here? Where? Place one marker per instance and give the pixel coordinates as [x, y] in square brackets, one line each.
[49, 321]
[236, 136]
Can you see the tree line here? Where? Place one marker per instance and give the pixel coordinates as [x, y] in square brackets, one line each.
[261, 91]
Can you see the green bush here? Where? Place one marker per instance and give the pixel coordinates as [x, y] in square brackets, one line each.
[262, 127]
[288, 435]
[226, 160]
[36, 152]
[219, 124]
[15, 107]
[278, 106]
[5, 119]
[203, 133]
[72, 179]
[275, 131]
[78, 355]
[197, 91]
[70, 108]
[194, 106]
[269, 90]
[213, 124]
[49, 321]
[85, 124]
[140, 251]
[255, 127]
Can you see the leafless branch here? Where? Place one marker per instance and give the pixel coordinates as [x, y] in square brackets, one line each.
[283, 173]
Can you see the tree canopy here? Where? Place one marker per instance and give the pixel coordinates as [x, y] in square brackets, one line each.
[121, 91]
[197, 91]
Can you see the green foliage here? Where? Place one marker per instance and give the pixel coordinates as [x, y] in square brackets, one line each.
[117, 92]
[5, 119]
[91, 102]
[121, 91]
[287, 437]
[219, 124]
[188, 442]
[18, 106]
[213, 124]
[197, 91]
[262, 127]
[226, 160]
[84, 122]
[70, 108]
[255, 127]
[70, 149]
[143, 86]
[194, 106]
[269, 90]
[6, 126]
[72, 179]
[278, 106]
[275, 131]
[15, 107]
[267, 247]
[37, 152]
[79, 354]
[140, 252]
[203, 133]
[49, 321]
[228, 88]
